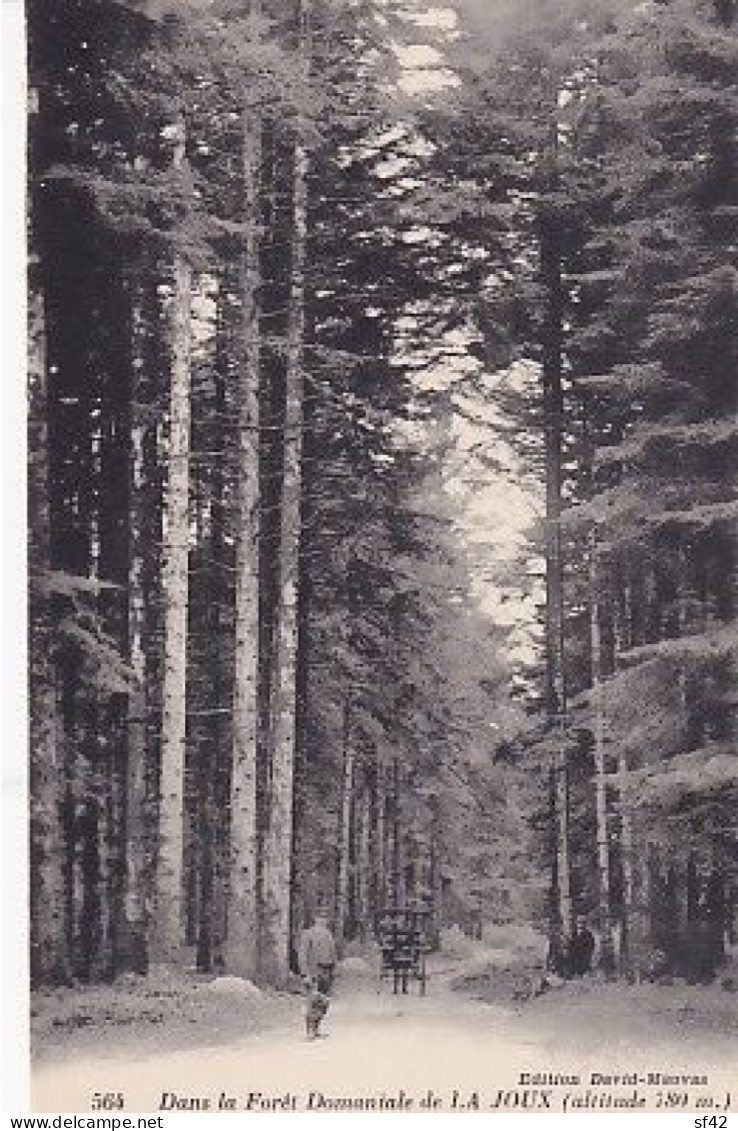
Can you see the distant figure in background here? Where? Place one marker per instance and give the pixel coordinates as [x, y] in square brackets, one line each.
[581, 949]
[558, 957]
[317, 959]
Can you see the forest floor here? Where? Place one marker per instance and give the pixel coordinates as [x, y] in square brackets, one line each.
[196, 1042]
[146, 1014]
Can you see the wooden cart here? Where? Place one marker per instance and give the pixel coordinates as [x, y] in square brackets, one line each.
[402, 934]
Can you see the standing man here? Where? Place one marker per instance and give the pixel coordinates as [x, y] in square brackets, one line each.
[582, 949]
[317, 958]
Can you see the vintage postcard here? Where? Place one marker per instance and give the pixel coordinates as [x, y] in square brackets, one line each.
[382, 556]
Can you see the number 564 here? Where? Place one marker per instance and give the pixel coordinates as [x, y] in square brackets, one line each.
[107, 1101]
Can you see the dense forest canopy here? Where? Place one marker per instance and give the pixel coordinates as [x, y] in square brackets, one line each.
[381, 521]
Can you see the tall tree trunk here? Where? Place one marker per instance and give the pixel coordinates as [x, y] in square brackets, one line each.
[364, 870]
[389, 826]
[436, 873]
[301, 832]
[115, 341]
[682, 597]
[397, 874]
[215, 749]
[360, 901]
[716, 904]
[553, 409]
[135, 787]
[373, 845]
[623, 641]
[49, 954]
[695, 965]
[343, 874]
[639, 865]
[278, 848]
[105, 829]
[241, 950]
[380, 833]
[607, 957]
[167, 920]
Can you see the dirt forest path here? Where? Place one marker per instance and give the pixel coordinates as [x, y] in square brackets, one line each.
[394, 1052]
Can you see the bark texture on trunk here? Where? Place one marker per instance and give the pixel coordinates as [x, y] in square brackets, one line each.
[553, 409]
[398, 861]
[167, 921]
[380, 833]
[241, 949]
[435, 865]
[136, 763]
[344, 829]
[623, 636]
[49, 929]
[607, 956]
[278, 847]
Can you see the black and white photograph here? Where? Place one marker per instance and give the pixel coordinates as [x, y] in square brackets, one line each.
[381, 573]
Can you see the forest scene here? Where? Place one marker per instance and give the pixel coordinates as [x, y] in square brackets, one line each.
[382, 514]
